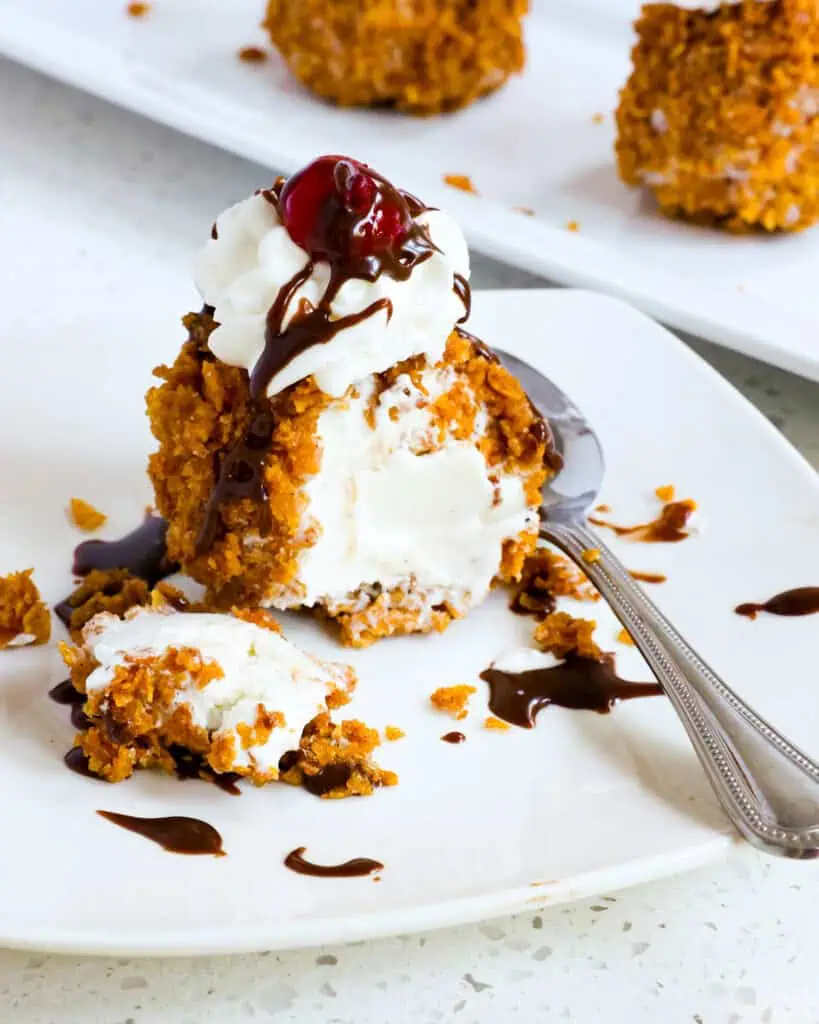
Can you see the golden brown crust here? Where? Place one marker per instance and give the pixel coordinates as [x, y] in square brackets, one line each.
[718, 116]
[22, 611]
[452, 700]
[135, 723]
[85, 516]
[546, 576]
[198, 413]
[350, 744]
[562, 634]
[460, 181]
[418, 56]
[117, 591]
[202, 408]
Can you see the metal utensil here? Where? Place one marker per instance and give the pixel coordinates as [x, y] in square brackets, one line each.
[768, 788]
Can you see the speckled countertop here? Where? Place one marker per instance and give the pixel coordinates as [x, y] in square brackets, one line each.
[732, 943]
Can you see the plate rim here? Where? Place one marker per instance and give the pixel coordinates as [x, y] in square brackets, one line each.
[320, 931]
[744, 323]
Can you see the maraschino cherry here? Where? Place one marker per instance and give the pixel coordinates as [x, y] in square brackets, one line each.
[338, 209]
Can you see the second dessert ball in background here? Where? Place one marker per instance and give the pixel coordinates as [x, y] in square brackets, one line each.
[418, 56]
[718, 118]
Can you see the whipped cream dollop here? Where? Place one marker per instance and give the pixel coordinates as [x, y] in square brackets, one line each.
[391, 511]
[258, 665]
[241, 272]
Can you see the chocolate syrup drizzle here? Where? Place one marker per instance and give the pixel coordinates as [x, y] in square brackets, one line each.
[464, 293]
[799, 601]
[240, 474]
[142, 552]
[355, 868]
[64, 693]
[453, 737]
[174, 834]
[667, 528]
[583, 684]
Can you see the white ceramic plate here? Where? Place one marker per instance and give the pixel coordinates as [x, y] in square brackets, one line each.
[579, 805]
[534, 144]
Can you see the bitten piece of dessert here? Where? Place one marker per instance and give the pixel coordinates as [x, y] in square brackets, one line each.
[329, 438]
[423, 57]
[24, 618]
[229, 690]
[719, 116]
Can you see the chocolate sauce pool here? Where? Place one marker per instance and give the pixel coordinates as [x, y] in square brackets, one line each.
[578, 683]
[355, 868]
[799, 601]
[141, 552]
[174, 834]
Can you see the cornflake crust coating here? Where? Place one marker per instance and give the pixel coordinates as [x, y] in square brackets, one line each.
[263, 555]
[24, 618]
[116, 591]
[421, 57]
[719, 116]
[163, 687]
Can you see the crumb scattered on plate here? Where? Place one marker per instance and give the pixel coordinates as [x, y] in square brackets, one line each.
[495, 723]
[253, 55]
[562, 634]
[137, 10]
[24, 618]
[591, 555]
[462, 182]
[573, 225]
[453, 699]
[602, 508]
[392, 732]
[85, 516]
[624, 637]
[664, 493]
[598, 118]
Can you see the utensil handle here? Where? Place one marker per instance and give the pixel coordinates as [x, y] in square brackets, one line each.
[768, 787]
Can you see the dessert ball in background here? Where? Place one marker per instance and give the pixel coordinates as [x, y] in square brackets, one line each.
[329, 437]
[419, 56]
[719, 116]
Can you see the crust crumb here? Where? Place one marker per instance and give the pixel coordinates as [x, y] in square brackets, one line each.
[452, 699]
[561, 634]
[85, 516]
[462, 182]
[24, 617]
